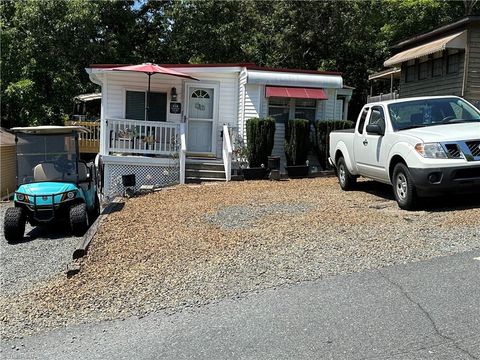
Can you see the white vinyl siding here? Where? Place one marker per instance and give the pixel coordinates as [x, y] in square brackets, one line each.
[118, 83]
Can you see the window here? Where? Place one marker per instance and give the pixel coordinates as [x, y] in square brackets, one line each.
[453, 61]
[423, 68]
[305, 109]
[279, 109]
[283, 109]
[362, 121]
[437, 64]
[430, 112]
[135, 106]
[410, 71]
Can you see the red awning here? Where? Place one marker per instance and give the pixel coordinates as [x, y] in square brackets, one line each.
[296, 92]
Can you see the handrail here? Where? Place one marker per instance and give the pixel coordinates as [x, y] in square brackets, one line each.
[227, 153]
[183, 152]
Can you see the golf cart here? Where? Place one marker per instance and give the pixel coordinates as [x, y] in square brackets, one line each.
[53, 184]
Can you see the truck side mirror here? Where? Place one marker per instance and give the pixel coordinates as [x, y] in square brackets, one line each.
[375, 129]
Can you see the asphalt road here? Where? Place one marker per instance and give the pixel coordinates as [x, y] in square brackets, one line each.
[424, 310]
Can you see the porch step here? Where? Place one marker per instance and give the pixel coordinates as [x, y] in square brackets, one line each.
[197, 180]
[204, 166]
[199, 170]
[217, 174]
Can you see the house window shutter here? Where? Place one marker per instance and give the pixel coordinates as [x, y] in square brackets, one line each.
[135, 105]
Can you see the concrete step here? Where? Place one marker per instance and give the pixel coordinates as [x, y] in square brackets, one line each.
[210, 166]
[202, 173]
[196, 180]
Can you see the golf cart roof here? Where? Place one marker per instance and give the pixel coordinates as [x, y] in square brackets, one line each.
[50, 129]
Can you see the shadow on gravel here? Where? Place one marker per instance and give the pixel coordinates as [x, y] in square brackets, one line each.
[48, 232]
[447, 202]
[383, 191]
[45, 233]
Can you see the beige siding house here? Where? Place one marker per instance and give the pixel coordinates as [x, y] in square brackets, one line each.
[8, 183]
[444, 61]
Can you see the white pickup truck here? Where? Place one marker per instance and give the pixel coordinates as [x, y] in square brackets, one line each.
[421, 146]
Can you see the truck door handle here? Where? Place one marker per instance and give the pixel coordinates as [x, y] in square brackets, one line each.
[365, 142]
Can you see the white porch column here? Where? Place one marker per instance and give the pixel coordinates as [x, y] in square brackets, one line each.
[103, 118]
[345, 107]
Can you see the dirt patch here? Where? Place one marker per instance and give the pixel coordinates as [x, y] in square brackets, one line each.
[193, 245]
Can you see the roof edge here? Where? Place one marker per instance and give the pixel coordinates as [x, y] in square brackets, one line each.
[437, 31]
[248, 66]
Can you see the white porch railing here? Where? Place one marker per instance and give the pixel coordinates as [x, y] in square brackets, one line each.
[390, 96]
[183, 152]
[142, 137]
[227, 153]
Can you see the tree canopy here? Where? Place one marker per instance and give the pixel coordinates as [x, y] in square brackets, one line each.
[46, 45]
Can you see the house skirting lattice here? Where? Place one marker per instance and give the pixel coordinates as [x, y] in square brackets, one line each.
[158, 173]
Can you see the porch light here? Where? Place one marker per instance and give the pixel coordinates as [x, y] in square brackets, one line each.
[173, 94]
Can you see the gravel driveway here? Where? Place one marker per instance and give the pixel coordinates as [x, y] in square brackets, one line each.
[42, 256]
[192, 245]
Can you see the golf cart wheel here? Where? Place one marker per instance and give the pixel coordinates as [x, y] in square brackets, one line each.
[347, 181]
[95, 212]
[14, 224]
[79, 219]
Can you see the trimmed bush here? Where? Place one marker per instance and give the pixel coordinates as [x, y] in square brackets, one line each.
[322, 133]
[260, 137]
[297, 141]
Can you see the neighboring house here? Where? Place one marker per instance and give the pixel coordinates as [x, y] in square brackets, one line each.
[192, 124]
[8, 164]
[444, 61]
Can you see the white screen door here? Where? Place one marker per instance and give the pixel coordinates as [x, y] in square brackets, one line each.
[201, 119]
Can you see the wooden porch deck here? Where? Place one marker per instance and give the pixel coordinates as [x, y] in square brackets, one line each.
[88, 143]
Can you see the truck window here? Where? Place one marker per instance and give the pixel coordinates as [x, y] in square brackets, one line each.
[362, 120]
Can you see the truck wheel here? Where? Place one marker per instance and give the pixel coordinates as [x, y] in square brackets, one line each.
[403, 187]
[14, 224]
[347, 181]
[79, 219]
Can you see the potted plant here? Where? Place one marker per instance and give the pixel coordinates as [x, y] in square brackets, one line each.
[297, 144]
[260, 136]
[239, 156]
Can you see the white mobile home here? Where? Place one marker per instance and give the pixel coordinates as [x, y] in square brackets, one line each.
[191, 121]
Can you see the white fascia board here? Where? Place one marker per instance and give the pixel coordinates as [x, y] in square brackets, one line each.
[294, 79]
[213, 70]
[95, 77]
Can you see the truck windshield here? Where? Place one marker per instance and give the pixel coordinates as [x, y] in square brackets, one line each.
[419, 113]
[46, 158]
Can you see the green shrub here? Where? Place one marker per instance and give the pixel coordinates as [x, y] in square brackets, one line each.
[260, 137]
[297, 141]
[322, 133]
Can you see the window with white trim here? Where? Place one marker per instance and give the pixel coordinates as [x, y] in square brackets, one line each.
[279, 109]
[135, 107]
[283, 109]
[305, 109]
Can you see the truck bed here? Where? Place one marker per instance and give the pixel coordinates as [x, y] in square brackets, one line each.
[344, 131]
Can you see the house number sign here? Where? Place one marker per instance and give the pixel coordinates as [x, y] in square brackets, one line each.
[175, 108]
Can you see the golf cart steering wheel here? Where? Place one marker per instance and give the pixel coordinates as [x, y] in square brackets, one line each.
[448, 118]
[64, 165]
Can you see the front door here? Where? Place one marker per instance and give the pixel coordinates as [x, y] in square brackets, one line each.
[201, 118]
